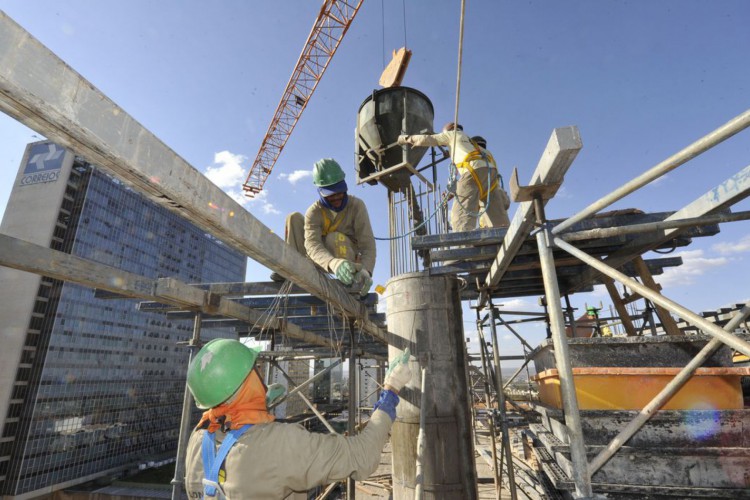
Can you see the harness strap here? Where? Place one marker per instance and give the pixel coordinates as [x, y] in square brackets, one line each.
[327, 227]
[479, 155]
[213, 460]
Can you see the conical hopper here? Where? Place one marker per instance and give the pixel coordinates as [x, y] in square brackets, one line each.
[383, 116]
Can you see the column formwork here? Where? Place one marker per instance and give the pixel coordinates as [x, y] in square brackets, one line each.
[424, 314]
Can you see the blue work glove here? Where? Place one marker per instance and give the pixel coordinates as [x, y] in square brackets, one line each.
[388, 402]
[344, 271]
[399, 373]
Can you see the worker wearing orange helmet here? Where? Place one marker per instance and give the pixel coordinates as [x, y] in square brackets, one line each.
[480, 184]
[238, 452]
[335, 232]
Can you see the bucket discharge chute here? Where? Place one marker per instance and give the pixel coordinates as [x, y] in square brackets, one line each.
[382, 117]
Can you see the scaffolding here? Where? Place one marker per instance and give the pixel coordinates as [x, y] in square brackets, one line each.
[534, 255]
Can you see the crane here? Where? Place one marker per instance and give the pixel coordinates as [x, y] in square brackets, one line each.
[331, 25]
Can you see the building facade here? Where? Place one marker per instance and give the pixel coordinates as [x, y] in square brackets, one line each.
[92, 387]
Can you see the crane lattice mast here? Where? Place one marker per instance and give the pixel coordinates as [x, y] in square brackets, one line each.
[329, 29]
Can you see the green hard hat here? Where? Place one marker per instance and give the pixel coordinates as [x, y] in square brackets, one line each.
[218, 370]
[327, 172]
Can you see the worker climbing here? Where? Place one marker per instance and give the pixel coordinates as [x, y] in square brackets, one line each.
[480, 184]
[335, 232]
[261, 459]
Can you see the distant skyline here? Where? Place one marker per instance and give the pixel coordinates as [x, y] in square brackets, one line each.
[640, 79]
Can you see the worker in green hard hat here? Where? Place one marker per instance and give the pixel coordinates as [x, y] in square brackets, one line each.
[335, 232]
[480, 185]
[237, 451]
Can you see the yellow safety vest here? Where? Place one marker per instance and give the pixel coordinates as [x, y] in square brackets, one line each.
[476, 155]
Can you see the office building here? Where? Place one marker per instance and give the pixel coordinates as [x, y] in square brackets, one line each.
[92, 387]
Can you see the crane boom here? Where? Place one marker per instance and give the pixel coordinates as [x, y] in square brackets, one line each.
[329, 29]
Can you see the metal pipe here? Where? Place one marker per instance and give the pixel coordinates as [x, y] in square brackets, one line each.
[488, 403]
[605, 232]
[657, 298]
[352, 421]
[665, 394]
[501, 402]
[178, 481]
[518, 336]
[581, 477]
[419, 486]
[307, 401]
[512, 377]
[305, 384]
[722, 133]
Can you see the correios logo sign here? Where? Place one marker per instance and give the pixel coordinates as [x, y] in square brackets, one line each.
[44, 164]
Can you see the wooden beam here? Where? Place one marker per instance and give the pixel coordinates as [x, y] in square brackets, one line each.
[38, 89]
[667, 321]
[562, 148]
[25, 256]
[622, 311]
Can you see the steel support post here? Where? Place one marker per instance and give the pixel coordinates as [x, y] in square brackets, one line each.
[665, 394]
[488, 403]
[703, 144]
[654, 296]
[419, 480]
[501, 401]
[178, 482]
[352, 424]
[581, 476]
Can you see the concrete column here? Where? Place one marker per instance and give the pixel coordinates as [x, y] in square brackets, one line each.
[424, 314]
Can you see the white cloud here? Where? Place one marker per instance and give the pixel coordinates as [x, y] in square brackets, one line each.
[740, 246]
[694, 264]
[518, 305]
[295, 176]
[229, 175]
[227, 171]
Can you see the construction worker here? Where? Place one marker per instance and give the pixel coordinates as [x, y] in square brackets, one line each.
[335, 232]
[479, 186]
[238, 452]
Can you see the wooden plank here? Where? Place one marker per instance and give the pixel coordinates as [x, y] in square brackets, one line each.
[667, 321]
[622, 311]
[562, 148]
[42, 92]
[25, 256]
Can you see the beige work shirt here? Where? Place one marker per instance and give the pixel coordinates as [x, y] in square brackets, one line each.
[355, 224]
[459, 148]
[270, 461]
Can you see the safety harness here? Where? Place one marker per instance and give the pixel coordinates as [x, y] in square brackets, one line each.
[213, 460]
[328, 225]
[477, 154]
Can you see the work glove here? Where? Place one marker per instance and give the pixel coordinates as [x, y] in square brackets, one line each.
[344, 270]
[274, 392]
[398, 373]
[403, 140]
[363, 277]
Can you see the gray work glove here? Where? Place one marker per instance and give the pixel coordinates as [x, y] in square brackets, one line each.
[363, 277]
[403, 140]
[399, 373]
[344, 270]
[274, 393]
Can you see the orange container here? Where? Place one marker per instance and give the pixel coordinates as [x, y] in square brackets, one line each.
[609, 388]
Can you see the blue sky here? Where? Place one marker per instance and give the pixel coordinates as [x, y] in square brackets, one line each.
[640, 79]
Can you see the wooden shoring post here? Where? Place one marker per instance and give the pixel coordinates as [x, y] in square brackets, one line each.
[667, 321]
[622, 311]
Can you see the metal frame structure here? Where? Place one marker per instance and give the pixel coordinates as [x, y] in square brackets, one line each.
[330, 26]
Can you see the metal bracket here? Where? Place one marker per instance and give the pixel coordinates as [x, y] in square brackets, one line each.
[520, 193]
